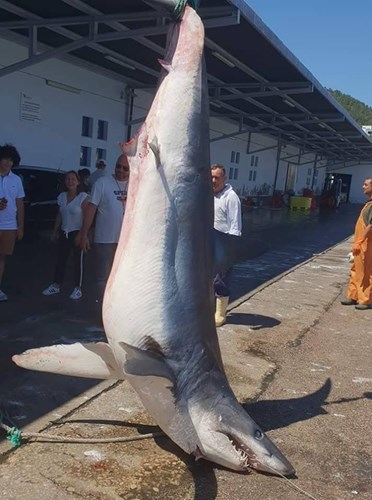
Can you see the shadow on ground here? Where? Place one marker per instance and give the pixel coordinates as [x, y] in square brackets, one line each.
[254, 321]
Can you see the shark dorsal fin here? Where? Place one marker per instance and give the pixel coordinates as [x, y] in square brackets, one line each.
[165, 64]
[129, 148]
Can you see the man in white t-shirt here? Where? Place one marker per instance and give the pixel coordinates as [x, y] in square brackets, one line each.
[227, 219]
[11, 206]
[107, 200]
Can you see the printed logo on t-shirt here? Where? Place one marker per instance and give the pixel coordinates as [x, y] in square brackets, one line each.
[121, 195]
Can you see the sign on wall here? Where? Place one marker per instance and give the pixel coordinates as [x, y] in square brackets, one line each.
[30, 109]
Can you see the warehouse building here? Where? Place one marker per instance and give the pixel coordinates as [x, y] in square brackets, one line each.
[77, 78]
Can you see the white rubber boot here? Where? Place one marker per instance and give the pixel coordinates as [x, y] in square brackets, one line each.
[221, 308]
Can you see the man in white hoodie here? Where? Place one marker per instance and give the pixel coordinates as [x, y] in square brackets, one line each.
[227, 219]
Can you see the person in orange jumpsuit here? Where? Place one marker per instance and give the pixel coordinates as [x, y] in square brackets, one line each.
[360, 285]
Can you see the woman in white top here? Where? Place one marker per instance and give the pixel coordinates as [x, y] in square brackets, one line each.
[72, 202]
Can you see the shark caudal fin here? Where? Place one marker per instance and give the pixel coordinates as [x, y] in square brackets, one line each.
[93, 360]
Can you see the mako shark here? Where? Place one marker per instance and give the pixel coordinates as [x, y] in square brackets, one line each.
[158, 308]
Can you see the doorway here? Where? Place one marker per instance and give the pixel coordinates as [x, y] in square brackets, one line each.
[290, 181]
[345, 182]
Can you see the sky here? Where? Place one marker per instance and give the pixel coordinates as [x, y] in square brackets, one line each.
[332, 38]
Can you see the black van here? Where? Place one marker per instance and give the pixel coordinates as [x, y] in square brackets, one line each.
[42, 186]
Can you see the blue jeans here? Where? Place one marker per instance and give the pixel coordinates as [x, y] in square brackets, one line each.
[221, 283]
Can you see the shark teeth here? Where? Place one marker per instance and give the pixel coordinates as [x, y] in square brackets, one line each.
[243, 456]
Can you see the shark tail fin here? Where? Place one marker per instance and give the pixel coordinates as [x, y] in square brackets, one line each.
[93, 360]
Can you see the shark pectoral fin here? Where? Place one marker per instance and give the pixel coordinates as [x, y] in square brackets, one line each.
[146, 363]
[225, 250]
[154, 381]
[93, 360]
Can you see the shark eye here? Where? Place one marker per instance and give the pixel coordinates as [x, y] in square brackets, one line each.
[258, 434]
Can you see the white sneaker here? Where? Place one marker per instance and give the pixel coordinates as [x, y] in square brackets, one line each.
[3, 296]
[76, 293]
[52, 289]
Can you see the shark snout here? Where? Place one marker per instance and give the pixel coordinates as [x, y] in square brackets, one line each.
[229, 437]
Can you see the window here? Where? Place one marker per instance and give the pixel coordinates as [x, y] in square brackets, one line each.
[85, 156]
[231, 173]
[100, 154]
[236, 170]
[102, 130]
[87, 126]
[250, 175]
[256, 161]
[308, 181]
[309, 171]
[252, 161]
[237, 157]
[232, 157]
[254, 175]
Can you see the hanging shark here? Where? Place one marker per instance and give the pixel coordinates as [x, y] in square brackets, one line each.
[158, 308]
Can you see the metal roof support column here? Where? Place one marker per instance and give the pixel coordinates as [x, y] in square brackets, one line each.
[249, 142]
[315, 170]
[299, 156]
[32, 41]
[129, 97]
[278, 154]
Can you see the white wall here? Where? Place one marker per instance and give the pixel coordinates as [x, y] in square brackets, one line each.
[221, 152]
[55, 142]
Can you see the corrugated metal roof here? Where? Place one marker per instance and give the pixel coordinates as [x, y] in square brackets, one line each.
[255, 81]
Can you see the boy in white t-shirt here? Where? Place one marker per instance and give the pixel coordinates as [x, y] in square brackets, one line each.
[11, 206]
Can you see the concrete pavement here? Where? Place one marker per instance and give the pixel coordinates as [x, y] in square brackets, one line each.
[298, 361]
[273, 241]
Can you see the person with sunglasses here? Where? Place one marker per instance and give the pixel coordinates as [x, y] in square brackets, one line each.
[106, 206]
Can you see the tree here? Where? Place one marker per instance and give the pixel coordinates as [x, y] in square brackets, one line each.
[357, 109]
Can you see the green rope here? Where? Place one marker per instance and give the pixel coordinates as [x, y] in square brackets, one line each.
[181, 6]
[14, 435]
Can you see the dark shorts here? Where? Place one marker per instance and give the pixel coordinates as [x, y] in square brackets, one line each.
[7, 241]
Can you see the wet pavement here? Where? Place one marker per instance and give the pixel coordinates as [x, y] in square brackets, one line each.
[273, 242]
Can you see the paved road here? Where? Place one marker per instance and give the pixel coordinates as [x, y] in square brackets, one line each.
[273, 242]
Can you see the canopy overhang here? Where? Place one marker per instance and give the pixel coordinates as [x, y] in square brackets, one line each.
[255, 82]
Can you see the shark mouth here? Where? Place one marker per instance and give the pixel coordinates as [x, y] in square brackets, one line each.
[246, 458]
